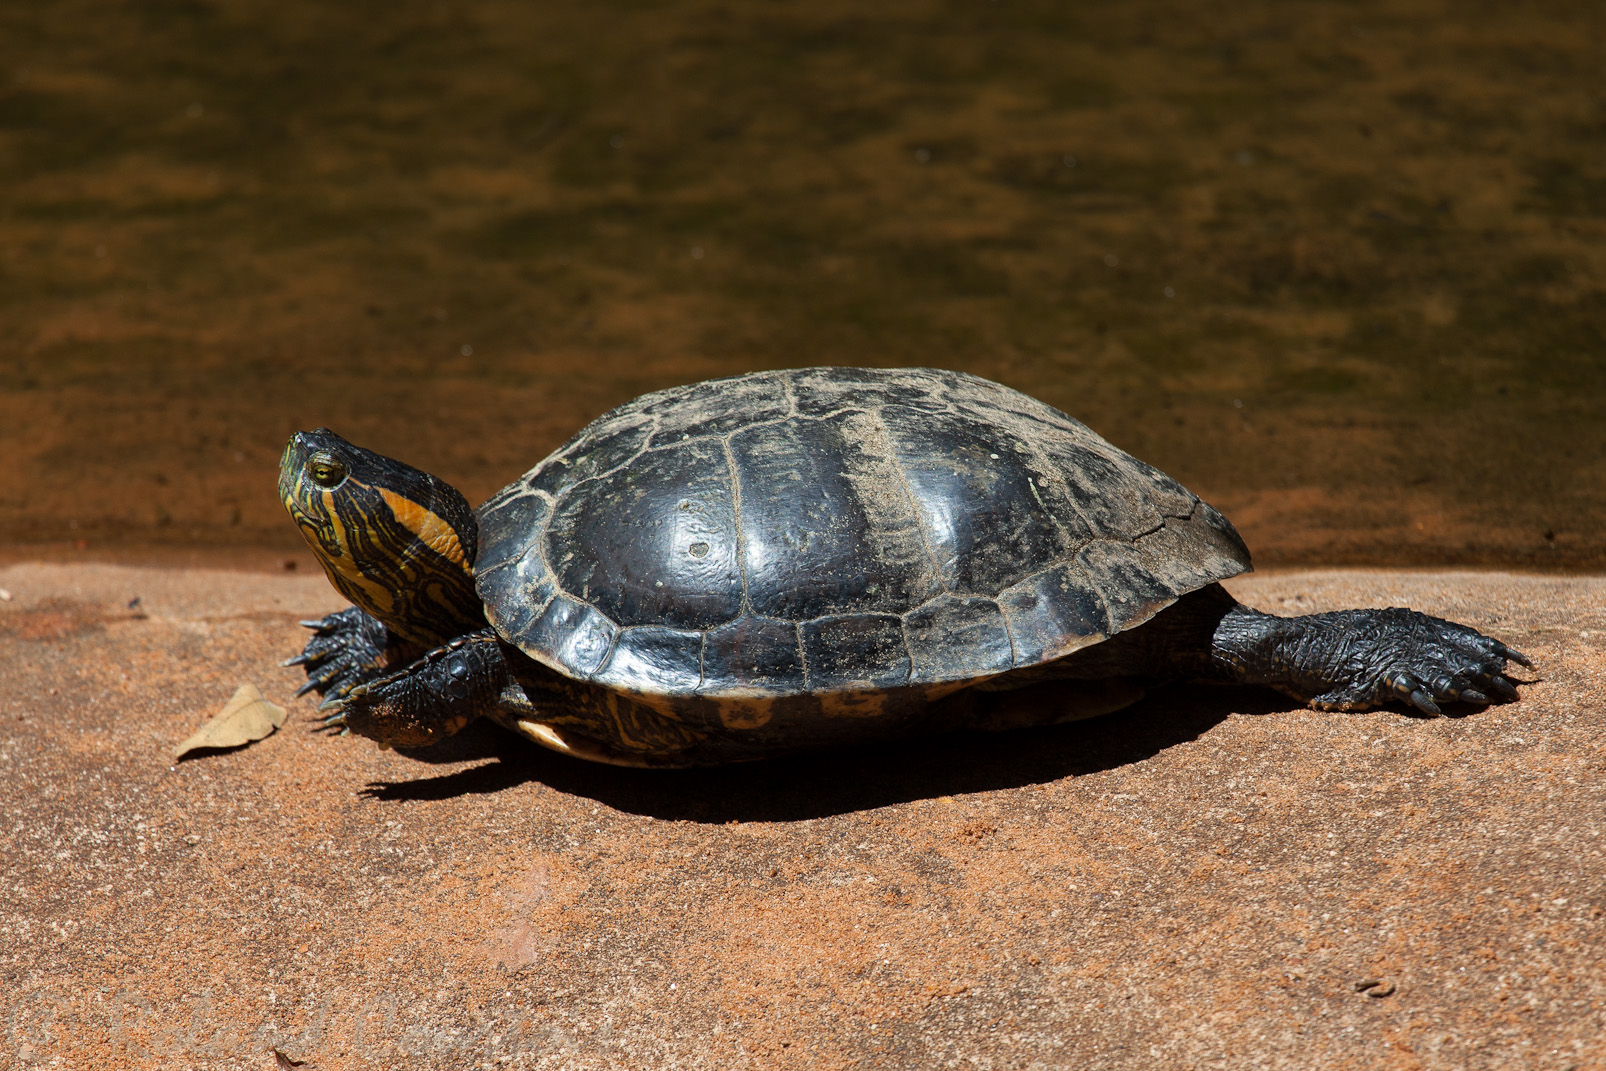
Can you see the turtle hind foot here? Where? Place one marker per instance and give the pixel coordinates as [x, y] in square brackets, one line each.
[1422, 662]
[1361, 659]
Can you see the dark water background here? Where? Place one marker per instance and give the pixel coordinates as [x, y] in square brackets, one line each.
[1339, 267]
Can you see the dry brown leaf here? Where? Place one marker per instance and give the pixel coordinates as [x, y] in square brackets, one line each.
[244, 719]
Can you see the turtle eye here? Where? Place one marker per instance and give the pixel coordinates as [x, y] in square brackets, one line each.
[325, 469]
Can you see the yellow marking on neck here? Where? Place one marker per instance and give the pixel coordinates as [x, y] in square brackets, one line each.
[430, 527]
[380, 600]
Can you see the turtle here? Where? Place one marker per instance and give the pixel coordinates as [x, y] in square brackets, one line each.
[804, 559]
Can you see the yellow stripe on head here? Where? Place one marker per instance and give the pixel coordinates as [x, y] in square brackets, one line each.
[395, 540]
[434, 531]
[346, 572]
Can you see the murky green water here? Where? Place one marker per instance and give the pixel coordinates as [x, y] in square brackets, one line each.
[1339, 267]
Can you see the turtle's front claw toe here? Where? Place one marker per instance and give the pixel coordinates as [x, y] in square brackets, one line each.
[326, 676]
[345, 650]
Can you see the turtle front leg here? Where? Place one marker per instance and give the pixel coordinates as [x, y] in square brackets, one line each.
[345, 649]
[1358, 659]
[430, 699]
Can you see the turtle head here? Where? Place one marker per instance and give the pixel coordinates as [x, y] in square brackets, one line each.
[397, 542]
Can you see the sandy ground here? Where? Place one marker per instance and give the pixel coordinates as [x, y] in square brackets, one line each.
[1203, 881]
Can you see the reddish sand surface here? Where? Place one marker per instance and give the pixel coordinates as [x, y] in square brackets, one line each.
[1213, 879]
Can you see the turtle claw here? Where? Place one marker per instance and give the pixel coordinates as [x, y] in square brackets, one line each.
[1414, 692]
[1472, 695]
[1421, 701]
[1512, 655]
[1503, 686]
[336, 718]
[321, 676]
[346, 649]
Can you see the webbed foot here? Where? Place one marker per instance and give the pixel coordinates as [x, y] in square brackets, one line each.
[1399, 655]
[346, 649]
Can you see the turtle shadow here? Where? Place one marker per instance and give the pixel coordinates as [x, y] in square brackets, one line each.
[822, 784]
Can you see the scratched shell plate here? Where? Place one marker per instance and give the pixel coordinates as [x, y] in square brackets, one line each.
[1053, 613]
[957, 638]
[571, 635]
[855, 651]
[654, 660]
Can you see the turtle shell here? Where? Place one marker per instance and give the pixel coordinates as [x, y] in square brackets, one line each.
[835, 530]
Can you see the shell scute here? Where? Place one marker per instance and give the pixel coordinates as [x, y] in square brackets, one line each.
[715, 408]
[1132, 592]
[1107, 492]
[653, 659]
[654, 543]
[819, 391]
[957, 638]
[827, 526]
[572, 634]
[992, 510]
[1190, 552]
[854, 652]
[1053, 613]
[1168, 496]
[753, 655]
[512, 510]
[602, 446]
